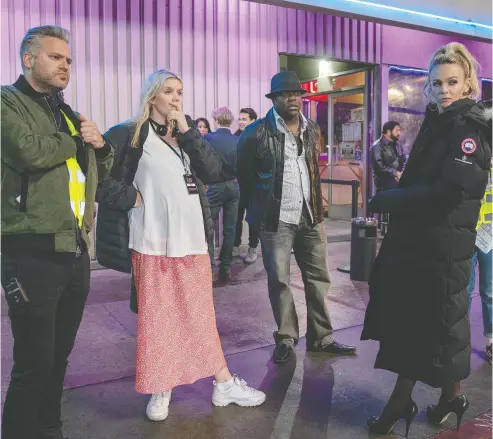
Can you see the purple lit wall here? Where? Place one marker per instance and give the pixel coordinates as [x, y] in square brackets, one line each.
[412, 48]
[225, 50]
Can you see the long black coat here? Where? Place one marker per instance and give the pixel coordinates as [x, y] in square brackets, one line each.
[117, 195]
[418, 307]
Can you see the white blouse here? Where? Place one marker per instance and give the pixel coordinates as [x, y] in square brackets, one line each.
[170, 220]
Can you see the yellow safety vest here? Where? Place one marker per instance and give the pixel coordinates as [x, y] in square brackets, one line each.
[77, 181]
[486, 212]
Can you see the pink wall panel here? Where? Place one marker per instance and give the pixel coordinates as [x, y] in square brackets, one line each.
[109, 84]
[311, 44]
[319, 34]
[413, 48]
[225, 50]
[7, 44]
[198, 53]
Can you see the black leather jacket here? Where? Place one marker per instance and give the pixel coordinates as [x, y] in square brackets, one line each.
[386, 160]
[261, 167]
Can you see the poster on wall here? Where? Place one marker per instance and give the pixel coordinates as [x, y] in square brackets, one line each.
[351, 132]
[350, 151]
[357, 114]
[347, 150]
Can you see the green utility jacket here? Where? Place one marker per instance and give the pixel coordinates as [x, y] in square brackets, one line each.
[35, 202]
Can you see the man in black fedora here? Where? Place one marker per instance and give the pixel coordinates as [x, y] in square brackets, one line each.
[278, 175]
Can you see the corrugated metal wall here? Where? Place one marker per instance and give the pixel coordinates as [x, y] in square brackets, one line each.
[225, 50]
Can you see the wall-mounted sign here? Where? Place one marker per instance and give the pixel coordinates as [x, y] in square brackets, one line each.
[310, 86]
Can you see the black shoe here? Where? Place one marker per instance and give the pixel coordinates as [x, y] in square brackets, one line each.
[439, 413]
[385, 426]
[282, 353]
[334, 348]
[223, 277]
[488, 353]
[225, 274]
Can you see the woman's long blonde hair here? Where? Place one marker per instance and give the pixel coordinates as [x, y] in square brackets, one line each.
[455, 53]
[150, 89]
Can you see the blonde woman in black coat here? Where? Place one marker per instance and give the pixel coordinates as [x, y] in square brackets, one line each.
[418, 307]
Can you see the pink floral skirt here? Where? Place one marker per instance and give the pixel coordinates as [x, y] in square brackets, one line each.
[177, 338]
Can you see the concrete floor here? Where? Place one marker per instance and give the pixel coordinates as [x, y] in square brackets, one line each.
[311, 397]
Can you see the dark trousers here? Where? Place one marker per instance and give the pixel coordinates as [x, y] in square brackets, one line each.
[44, 332]
[310, 251]
[225, 195]
[253, 232]
[384, 217]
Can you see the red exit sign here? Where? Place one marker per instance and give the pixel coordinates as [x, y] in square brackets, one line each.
[310, 86]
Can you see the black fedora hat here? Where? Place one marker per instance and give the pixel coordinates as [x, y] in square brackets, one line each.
[284, 81]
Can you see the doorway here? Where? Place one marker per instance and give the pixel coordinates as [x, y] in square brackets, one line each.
[338, 100]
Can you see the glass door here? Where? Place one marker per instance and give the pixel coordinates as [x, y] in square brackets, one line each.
[347, 158]
[342, 115]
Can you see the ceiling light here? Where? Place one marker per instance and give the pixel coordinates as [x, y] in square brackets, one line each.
[324, 68]
[422, 14]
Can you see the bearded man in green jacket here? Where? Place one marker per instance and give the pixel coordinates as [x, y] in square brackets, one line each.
[52, 159]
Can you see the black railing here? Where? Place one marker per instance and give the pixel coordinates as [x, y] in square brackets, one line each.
[354, 192]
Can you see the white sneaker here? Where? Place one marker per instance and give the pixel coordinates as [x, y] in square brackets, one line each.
[157, 408]
[236, 252]
[237, 392]
[251, 257]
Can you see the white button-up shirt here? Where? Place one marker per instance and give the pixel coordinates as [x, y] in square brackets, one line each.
[296, 180]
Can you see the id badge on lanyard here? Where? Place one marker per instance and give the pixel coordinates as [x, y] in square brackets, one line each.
[190, 179]
[191, 183]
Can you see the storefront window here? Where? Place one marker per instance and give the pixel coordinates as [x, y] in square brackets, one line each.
[407, 103]
[486, 92]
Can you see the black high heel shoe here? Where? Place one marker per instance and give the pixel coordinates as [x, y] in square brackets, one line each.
[385, 426]
[437, 414]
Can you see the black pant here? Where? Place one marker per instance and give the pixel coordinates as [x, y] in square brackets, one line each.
[253, 233]
[44, 333]
[225, 196]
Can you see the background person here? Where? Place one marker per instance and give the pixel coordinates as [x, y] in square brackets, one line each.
[246, 117]
[483, 261]
[223, 192]
[386, 157]
[203, 126]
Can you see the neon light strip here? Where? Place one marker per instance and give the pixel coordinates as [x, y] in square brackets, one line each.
[411, 70]
[422, 14]
[408, 70]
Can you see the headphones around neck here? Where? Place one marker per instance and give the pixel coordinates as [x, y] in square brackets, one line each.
[161, 130]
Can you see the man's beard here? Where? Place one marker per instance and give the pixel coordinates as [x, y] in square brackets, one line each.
[47, 82]
[395, 139]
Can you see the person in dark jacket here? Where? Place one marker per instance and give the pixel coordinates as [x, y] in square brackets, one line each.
[387, 159]
[52, 160]
[151, 204]
[246, 117]
[224, 193]
[418, 308]
[278, 176]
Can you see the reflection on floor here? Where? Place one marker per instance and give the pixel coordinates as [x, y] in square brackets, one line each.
[311, 397]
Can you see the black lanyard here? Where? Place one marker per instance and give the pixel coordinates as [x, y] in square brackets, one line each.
[180, 156]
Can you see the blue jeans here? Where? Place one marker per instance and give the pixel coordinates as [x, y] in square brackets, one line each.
[225, 195]
[485, 286]
[310, 251]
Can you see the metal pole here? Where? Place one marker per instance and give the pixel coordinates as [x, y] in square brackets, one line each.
[354, 198]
